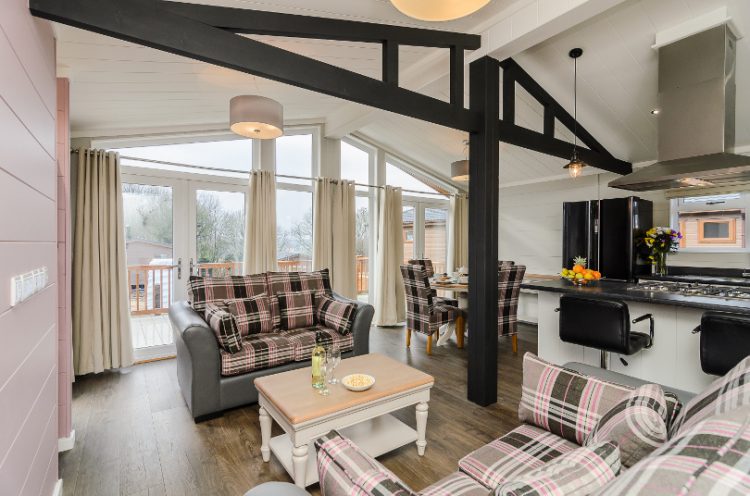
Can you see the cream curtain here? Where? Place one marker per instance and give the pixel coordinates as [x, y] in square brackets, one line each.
[101, 319]
[334, 235]
[390, 300]
[260, 223]
[458, 233]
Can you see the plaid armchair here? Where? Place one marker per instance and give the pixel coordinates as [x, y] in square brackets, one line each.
[424, 314]
[429, 269]
[509, 279]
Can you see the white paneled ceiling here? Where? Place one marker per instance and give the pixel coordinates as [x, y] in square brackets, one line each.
[121, 86]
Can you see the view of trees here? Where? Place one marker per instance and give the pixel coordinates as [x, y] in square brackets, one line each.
[220, 232]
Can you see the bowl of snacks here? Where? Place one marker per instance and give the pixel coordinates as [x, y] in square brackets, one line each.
[358, 382]
[579, 274]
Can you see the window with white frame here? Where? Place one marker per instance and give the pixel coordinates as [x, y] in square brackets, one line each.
[712, 222]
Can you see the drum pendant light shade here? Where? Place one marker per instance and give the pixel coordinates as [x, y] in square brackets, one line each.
[460, 170]
[256, 117]
[438, 10]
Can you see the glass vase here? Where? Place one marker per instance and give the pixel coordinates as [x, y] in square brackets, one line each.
[660, 264]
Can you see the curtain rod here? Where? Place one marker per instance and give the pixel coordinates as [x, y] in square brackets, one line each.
[285, 176]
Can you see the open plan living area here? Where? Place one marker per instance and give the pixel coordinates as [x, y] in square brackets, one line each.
[374, 247]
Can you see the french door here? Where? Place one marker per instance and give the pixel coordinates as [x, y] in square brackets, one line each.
[175, 226]
[425, 231]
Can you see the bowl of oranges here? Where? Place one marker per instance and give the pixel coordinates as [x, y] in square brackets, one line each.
[579, 274]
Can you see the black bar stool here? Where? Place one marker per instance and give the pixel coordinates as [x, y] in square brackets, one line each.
[603, 325]
[725, 341]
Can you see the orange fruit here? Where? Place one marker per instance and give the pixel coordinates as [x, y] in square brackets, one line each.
[597, 274]
[578, 268]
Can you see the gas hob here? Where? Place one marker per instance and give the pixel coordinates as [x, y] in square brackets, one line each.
[693, 289]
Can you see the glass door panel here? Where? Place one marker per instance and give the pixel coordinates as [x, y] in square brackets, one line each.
[436, 237]
[362, 230]
[294, 225]
[219, 232]
[409, 223]
[149, 240]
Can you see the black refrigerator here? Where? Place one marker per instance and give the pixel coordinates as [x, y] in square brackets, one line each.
[605, 231]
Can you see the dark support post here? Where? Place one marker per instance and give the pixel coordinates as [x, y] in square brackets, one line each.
[509, 95]
[457, 76]
[484, 165]
[549, 122]
[390, 62]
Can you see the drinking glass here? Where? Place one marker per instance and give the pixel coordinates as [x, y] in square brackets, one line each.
[333, 359]
[326, 370]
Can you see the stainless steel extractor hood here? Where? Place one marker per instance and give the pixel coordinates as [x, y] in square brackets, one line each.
[697, 117]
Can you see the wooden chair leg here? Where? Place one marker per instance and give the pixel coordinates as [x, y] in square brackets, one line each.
[460, 331]
[514, 339]
[429, 344]
[408, 338]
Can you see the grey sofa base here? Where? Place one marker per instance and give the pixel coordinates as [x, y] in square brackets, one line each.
[206, 392]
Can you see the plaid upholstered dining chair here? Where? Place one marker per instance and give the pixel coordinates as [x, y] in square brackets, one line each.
[426, 263]
[425, 314]
[509, 279]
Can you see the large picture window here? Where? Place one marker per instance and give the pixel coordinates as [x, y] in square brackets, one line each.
[712, 223]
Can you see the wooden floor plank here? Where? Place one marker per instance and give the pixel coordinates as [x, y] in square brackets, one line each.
[135, 436]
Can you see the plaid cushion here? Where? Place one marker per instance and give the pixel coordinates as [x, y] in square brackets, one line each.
[456, 484]
[224, 326]
[259, 351]
[275, 312]
[289, 282]
[638, 424]
[725, 393]
[425, 263]
[567, 403]
[521, 450]
[345, 470]
[297, 309]
[577, 473]
[712, 457]
[303, 341]
[253, 315]
[509, 279]
[202, 290]
[336, 314]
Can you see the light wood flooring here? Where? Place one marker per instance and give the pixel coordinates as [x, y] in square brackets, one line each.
[134, 435]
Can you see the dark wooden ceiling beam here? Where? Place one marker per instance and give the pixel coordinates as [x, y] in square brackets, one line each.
[147, 23]
[260, 22]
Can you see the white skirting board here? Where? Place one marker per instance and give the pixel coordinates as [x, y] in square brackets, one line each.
[375, 437]
[66, 443]
[58, 488]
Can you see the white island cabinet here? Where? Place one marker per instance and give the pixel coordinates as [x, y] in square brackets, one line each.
[673, 360]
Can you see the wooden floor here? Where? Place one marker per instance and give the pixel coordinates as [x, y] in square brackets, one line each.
[134, 435]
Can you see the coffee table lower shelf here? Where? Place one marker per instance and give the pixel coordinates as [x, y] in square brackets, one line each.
[375, 437]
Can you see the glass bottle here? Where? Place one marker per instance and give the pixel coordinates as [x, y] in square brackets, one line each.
[318, 360]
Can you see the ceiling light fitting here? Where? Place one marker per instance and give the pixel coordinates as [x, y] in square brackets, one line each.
[256, 117]
[460, 168]
[438, 10]
[576, 165]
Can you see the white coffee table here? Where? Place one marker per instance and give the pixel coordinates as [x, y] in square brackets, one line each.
[304, 415]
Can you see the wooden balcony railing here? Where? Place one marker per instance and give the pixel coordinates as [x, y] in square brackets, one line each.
[151, 285]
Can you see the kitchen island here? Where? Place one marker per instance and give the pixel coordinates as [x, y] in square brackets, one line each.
[673, 360]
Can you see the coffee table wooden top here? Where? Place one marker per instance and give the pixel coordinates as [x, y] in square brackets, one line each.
[292, 394]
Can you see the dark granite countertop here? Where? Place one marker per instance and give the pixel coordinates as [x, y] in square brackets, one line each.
[726, 281]
[619, 290]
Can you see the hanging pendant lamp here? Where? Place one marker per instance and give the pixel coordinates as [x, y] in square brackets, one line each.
[438, 10]
[256, 117]
[460, 168]
[576, 165]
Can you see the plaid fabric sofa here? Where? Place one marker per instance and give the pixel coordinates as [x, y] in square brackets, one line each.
[214, 378]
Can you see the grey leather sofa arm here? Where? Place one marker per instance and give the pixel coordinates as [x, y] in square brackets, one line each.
[199, 362]
[361, 325]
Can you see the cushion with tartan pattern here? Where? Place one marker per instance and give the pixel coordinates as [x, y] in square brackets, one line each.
[728, 392]
[297, 309]
[338, 315]
[638, 424]
[567, 403]
[253, 315]
[710, 457]
[345, 470]
[224, 326]
[303, 340]
[288, 282]
[202, 290]
[577, 473]
[259, 351]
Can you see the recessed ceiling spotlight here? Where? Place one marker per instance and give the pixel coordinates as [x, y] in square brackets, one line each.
[655, 111]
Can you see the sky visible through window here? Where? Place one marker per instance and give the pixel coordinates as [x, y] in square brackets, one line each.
[234, 155]
[394, 176]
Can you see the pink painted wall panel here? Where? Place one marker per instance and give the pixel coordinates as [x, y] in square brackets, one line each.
[29, 379]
